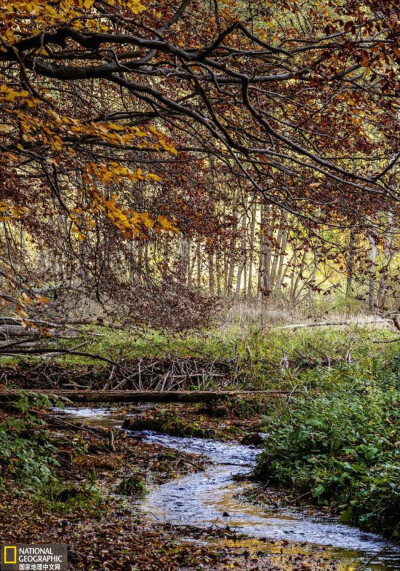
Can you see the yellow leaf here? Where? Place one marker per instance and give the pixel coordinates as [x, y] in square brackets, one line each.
[43, 299]
[166, 224]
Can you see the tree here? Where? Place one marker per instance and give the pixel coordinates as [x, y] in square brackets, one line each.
[113, 113]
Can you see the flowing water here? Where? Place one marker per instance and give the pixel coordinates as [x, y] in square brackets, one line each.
[212, 497]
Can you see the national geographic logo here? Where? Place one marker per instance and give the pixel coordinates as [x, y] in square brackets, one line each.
[21, 557]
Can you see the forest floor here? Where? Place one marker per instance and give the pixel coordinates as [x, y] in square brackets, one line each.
[81, 485]
[93, 504]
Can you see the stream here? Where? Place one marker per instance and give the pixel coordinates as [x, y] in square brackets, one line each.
[212, 497]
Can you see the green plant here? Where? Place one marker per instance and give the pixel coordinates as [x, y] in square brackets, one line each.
[26, 453]
[133, 485]
[70, 497]
[342, 446]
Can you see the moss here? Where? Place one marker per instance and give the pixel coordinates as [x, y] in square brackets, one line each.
[70, 498]
[133, 485]
[169, 423]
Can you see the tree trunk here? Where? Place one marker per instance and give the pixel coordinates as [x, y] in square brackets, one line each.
[242, 262]
[211, 273]
[350, 263]
[372, 272]
[386, 262]
[251, 248]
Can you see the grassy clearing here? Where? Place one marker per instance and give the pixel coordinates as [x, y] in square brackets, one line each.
[271, 356]
[251, 343]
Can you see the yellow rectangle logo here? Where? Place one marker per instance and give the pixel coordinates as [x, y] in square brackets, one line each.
[10, 558]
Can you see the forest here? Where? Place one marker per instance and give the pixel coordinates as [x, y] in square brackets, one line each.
[199, 284]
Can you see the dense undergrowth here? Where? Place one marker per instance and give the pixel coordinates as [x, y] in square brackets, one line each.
[341, 445]
[27, 454]
[31, 456]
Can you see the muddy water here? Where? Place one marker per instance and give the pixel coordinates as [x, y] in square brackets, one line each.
[211, 498]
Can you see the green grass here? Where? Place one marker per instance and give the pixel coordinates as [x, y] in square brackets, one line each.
[70, 498]
[261, 352]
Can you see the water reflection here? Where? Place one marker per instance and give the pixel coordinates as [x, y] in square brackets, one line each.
[212, 498]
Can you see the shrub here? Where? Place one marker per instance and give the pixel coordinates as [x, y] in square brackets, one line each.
[26, 453]
[342, 447]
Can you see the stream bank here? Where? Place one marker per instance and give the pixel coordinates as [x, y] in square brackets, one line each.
[192, 517]
[211, 499]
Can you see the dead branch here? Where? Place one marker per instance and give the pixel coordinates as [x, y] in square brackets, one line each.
[330, 324]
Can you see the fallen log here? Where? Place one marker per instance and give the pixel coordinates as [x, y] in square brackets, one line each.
[16, 331]
[7, 395]
[373, 321]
